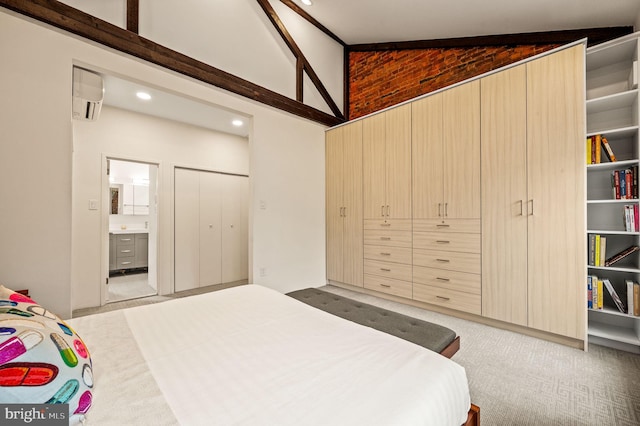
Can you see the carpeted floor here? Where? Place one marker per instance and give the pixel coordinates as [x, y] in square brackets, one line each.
[516, 379]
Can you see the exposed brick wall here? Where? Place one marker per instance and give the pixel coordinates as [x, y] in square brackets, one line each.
[384, 78]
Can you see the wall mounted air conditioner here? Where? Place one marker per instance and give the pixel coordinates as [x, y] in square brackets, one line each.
[88, 92]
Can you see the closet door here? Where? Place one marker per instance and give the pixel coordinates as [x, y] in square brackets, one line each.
[398, 162]
[461, 137]
[235, 221]
[504, 195]
[334, 205]
[555, 145]
[427, 153]
[353, 249]
[187, 229]
[374, 166]
[210, 229]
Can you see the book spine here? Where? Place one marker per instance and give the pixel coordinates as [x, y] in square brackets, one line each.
[589, 151]
[590, 293]
[630, 306]
[607, 150]
[593, 149]
[598, 148]
[592, 249]
[603, 250]
[600, 294]
[634, 173]
[616, 184]
[636, 299]
[636, 219]
[628, 184]
[623, 184]
[627, 225]
[597, 255]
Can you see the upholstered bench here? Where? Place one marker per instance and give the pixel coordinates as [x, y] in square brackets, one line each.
[431, 336]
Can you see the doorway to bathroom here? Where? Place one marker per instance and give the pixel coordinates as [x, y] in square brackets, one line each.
[133, 225]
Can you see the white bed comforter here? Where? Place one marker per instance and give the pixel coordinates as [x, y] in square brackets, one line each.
[251, 356]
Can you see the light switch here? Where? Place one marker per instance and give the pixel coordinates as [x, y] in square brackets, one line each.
[93, 204]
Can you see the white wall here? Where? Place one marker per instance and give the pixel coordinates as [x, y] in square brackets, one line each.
[128, 135]
[286, 166]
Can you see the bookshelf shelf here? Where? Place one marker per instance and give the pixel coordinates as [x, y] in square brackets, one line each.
[613, 112]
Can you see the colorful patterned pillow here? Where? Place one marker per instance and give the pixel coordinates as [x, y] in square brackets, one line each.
[42, 360]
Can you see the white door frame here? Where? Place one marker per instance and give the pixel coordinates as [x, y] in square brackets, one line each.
[104, 213]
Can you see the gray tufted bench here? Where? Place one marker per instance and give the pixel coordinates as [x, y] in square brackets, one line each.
[431, 336]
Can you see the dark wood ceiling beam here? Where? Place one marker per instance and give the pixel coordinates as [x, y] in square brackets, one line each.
[133, 15]
[297, 52]
[77, 22]
[594, 35]
[300, 11]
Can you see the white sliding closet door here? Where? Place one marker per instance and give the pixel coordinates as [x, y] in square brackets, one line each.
[210, 228]
[187, 229]
[235, 228]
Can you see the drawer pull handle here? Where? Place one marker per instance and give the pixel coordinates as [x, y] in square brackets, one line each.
[443, 279]
[385, 285]
[385, 224]
[385, 238]
[442, 242]
[442, 226]
[125, 239]
[125, 263]
[125, 251]
[443, 260]
[443, 298]
[385, 254]
[385, 269]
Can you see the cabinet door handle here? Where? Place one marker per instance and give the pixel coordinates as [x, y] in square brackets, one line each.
[385, 285]
[521, 207]
[443, 260]
[439, 209]
[442, 226]
[385, 270]
[442, 242]
[388, 211]
[382, 211]
[443, 279]
[344, 212]
[446, 209]
[443, 298]
[531, 201]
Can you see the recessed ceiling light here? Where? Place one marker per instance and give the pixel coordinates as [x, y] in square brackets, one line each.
[307, 2]
[237, 123]
[143, 95]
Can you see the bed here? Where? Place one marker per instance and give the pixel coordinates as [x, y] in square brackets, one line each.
[249, 355]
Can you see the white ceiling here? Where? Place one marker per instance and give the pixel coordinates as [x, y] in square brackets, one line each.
[121, 93]
[378, 21]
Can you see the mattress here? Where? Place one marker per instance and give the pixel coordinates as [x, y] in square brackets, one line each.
[249, 355]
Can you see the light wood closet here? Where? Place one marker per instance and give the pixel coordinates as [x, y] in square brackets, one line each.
[344, 204]
[495, 230]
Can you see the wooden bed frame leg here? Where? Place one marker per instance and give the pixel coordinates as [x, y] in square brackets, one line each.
[473, 419]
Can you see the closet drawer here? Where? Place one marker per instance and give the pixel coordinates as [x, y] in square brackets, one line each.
[125, 252]
[449, 260]
[447, 298]
[124, 263]
[396, 271]
[471, 226]
[125, 240]
[388, 254]
[388, 285]
[445, 241]
[453, 280]
[389, 224]
[387, 238]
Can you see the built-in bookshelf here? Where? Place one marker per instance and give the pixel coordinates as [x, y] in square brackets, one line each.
[613, 114]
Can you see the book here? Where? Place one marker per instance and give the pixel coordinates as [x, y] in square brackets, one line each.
[597, 255]
[603, 250]
[598, 148]
[614, 296]
[628, 184]
[636, 218]
[600, 294]
[592, 249]
[636, 299]
[634, 174]
[588, 150]
[630, 307]
[615, 184]
[621, 255]
[623, 184]
[590, 293]
[607, 150]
